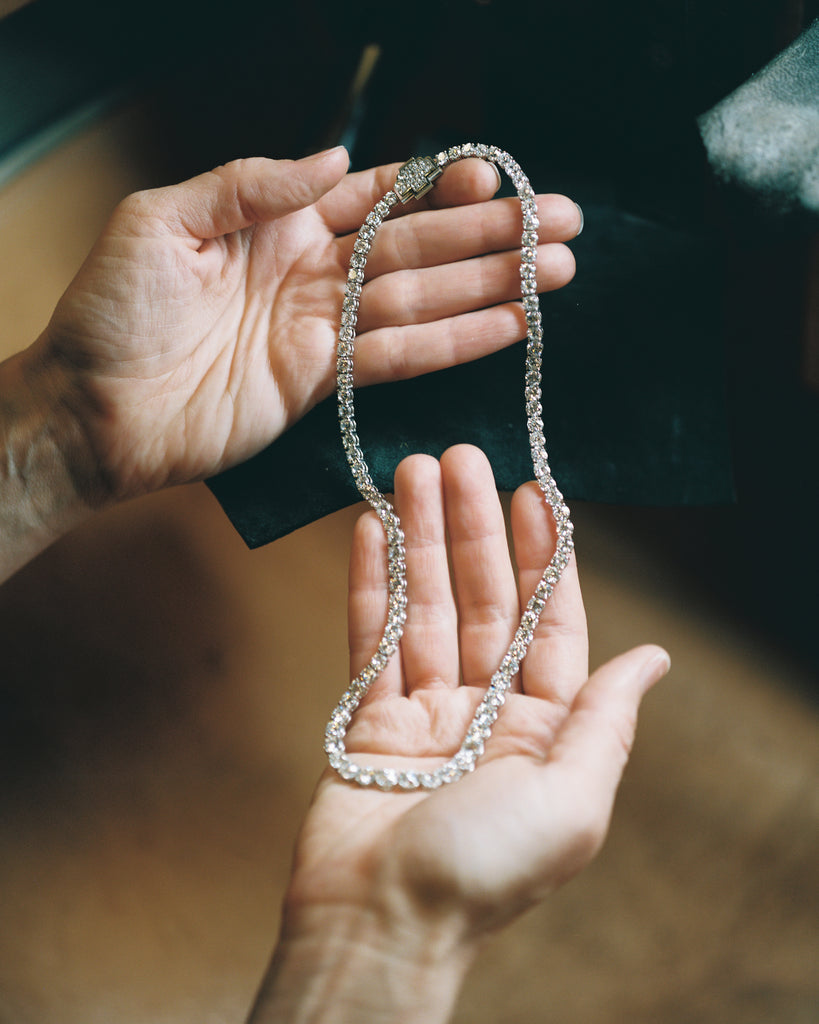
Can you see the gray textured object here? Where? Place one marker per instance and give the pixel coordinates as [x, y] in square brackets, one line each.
[763, 139]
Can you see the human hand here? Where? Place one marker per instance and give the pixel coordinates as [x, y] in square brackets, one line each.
[204, 321]
[404, 885]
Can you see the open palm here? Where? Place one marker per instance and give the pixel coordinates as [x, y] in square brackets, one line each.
[203, 323]
[537, 806]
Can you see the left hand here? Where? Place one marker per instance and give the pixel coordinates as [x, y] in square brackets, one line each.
[204, 321]
[408, 873]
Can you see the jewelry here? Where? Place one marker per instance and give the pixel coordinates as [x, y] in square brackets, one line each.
[414, 180]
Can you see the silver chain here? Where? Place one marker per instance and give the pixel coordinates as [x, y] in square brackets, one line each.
[415, 179]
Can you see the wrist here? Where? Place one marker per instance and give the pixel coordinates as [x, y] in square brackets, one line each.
[340, 965]
[41, 445]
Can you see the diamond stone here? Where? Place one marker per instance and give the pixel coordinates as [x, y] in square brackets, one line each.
[408, 780]
[386, 778]
[415, 178]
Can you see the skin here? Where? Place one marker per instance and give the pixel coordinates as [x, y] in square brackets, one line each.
[393, 893]
[201, 326]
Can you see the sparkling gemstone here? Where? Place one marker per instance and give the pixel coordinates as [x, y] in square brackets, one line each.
[474, 741]
[419, 174]
[386, 778]
[392, 634]
[357, 689]
[465, 760]
[408, 779]
[487, 717]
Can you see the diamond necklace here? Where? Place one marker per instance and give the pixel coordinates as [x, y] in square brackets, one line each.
[414, 180]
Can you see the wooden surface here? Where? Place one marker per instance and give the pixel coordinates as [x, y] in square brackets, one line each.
[153, 776]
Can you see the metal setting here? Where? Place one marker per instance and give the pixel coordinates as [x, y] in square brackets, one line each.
[414, 179]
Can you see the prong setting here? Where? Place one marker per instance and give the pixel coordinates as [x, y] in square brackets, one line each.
[414, 180]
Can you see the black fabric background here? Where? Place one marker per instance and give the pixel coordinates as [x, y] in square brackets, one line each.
[678, 345]
[633, 395]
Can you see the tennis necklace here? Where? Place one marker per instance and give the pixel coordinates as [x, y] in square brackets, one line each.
[414, 180]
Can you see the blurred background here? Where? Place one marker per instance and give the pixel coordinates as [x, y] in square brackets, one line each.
[153, 783]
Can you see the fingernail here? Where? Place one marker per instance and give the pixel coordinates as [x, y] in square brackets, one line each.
[655, 668]
[497, 175]
[322, 154]
[582, 220]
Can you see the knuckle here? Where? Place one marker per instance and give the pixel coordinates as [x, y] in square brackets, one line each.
[138, 205]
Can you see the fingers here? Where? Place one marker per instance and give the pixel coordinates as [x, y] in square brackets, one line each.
[422, 296]
[429, 647]
[432, 299]
[344, 209]
[590, 752]
[367, 602]
[237, 195]
[431, 238]
[430, 643]
[398, 353]
[556, 665]
[416, 321]
[481, 565]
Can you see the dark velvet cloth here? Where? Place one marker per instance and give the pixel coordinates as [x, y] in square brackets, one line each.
[634, 347]
[624, 422]
[763, 140]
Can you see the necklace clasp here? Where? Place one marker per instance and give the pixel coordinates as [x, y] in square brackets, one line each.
[416, 178]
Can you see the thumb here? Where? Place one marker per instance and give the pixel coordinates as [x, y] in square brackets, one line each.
[242, 193]
[597, 737]
[591, 750]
